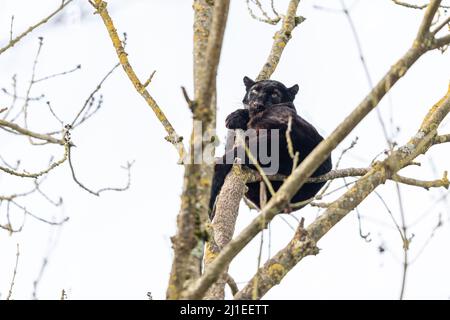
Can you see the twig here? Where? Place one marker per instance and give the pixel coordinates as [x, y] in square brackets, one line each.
[358, 172]
[14, 41]
[54, 114]
[362, 58]
[260, 170]
[146, 83]
[439, 224]
[26, 132]
[90, 98]
[413, 6]
[266, 18]
[405, 241]
[397, 226]
[290, 146]
[24, 109]
[42, 172]
[336, 166]
[192, 104]
[78, 67]
[232, 284]
[29, 213]
[46, 197]
[98, 192]
[11, 286]
[11, 29]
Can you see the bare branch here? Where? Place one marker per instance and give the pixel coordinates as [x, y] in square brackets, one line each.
[14, 41]
[172, 137]
[266, 18]
[89, 99]
[29, 133]
[281, 38]
[55, 75]
[11, 286]
[413, 6]
[52, 166]
[98, 192]
[358, 172]
[147, 82]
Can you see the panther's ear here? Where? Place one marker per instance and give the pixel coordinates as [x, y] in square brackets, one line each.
[248, 82]
[293, 91]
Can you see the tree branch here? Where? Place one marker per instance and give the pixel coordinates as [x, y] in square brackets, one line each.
[172, 137]
[424, 29]
[52, 166]
[441, 42]
[227, 208]
[281, 38]
[26, 132]
[193, 216]
[358, 172]
[13, 42]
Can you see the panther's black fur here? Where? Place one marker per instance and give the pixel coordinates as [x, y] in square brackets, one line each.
[269, 105]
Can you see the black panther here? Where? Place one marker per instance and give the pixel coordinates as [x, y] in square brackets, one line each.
[268, 104]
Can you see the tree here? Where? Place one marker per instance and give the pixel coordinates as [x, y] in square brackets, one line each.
[201, 271]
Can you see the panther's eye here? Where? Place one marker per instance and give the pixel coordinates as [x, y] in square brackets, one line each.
[274, 95]
[254, 91]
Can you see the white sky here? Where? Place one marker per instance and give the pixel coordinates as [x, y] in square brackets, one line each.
[117, 246]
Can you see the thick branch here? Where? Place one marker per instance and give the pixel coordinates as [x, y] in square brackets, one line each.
[197, 177]
[227, 208]
[208, 70]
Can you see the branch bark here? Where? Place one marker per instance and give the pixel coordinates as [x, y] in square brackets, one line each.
[223, 224]
[29, 133]
[193, 216]
[172, 137]
[281, 38]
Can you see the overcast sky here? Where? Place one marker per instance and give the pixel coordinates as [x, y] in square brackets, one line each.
[117, 246]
